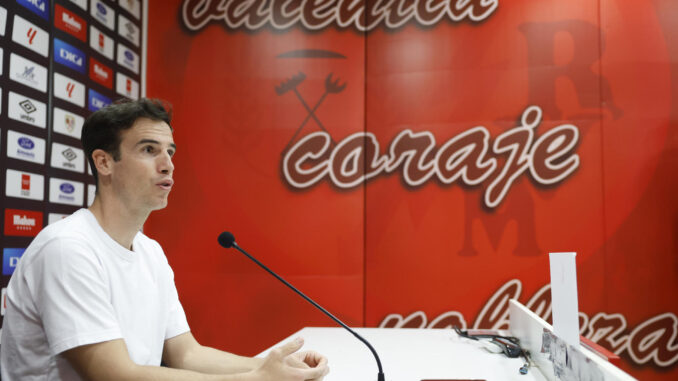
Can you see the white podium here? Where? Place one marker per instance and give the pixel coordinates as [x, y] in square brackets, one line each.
[440, 354]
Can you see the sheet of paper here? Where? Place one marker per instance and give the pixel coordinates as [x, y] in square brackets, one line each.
[565, 308]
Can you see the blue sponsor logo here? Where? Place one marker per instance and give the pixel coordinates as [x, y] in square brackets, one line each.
[97, 101]
[129, 55]
[67, 188]
[10, 259]
[68, 55]
[101, 9]
[26, 143]
[39, 7]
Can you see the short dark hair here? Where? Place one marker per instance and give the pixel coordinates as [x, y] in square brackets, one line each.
[103, 128]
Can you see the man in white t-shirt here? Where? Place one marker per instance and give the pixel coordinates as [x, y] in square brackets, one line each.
[93, 298]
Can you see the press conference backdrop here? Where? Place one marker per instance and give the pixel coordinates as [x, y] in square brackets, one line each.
[412, 163]
[60, 60]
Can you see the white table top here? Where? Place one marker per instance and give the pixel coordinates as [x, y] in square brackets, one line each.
[410, 355]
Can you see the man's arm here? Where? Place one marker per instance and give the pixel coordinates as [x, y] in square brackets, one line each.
[184, 352]
[110, 361]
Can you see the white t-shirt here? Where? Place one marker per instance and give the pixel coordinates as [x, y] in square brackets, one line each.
[75, 285]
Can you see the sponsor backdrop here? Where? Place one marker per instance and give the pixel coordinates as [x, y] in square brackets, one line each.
[412, 164]
[59, 61]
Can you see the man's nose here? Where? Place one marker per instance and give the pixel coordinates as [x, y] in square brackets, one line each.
[166, 165]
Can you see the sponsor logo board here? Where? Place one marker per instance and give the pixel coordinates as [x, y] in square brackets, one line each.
[102, 13]
[97, 100]
[24, 185]
[27, 72]
[81, 3]
[25, 147]
[128, 59]
[26, 223]
[69, 89]
[54, 217]
[3, 307]
[131, 6]
[128, 30]
[62, 191]
[100, 42]
[70, 23]
[67, 123]
[27, 34]
[100, 73]
[68, 158]
[39, 7]
[69, 56]
[10, 259]
[27, 110]
[126, 86]
[91, 192]
[1, 60]
[3, 20]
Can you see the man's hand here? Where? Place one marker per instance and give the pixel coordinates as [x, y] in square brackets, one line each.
[283, 364]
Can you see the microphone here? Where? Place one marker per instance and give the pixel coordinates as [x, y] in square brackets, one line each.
[227, 240]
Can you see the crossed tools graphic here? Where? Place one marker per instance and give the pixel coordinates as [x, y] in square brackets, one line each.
[331, 87]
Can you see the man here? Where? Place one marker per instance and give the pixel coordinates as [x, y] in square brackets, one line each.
[93, 298]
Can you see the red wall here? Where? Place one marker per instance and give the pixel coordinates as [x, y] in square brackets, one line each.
[407, 246]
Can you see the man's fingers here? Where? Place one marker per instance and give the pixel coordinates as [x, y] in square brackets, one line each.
[289, 348]
[313, 373]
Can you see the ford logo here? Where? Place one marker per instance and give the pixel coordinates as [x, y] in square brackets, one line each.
[26, 143]
[129, 55]
[67, 188]
[101, 8]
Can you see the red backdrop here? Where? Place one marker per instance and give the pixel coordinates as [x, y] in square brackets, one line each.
[376, 226]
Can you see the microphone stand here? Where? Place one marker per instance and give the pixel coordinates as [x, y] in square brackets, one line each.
[380, 375]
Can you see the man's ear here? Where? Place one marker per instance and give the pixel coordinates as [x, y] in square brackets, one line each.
[103, 161]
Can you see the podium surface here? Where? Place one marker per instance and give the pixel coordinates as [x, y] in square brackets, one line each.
[410, 355]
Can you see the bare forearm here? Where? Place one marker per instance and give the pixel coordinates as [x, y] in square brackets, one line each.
[153, 373]
[213, 361]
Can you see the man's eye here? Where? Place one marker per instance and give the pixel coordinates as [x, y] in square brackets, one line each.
[148, 149]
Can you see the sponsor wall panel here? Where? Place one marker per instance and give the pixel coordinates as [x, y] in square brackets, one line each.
[413, 203]
[57, 64]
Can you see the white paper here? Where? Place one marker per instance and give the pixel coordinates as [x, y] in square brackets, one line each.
[565, 308]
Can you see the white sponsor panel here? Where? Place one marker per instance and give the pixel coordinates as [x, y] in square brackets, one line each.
[69, 192]
[3, 307]
[68, 158]
[91, 192]
[3, 20]
[131, 6]
[69, 89]
[27, 110]
[25, 147]
[54, 217]
[127, 58]
[24, 185]
[1, 60]
[67, 123]
[100, 42]
[89, 168]
[31, 36]
[128, 30]
[126, 86]
[27, 72]
[102, 13]
[81, 3]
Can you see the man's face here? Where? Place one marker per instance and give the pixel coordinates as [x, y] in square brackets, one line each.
[142, 178]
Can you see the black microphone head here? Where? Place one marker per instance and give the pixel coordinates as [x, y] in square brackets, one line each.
[226, 239]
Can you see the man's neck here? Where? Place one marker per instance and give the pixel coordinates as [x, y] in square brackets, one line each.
[118, 222]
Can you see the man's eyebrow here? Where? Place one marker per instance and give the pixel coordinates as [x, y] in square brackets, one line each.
[151, 141]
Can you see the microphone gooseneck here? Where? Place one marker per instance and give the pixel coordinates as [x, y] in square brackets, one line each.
[227, 240]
